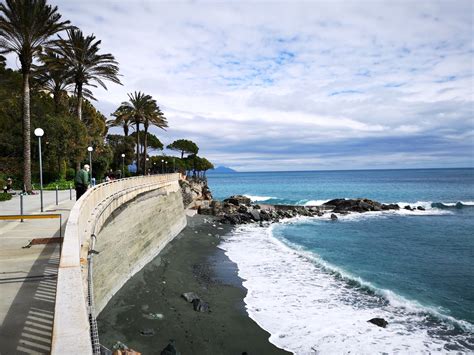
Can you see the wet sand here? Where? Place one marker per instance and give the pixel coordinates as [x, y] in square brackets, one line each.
[149, 310]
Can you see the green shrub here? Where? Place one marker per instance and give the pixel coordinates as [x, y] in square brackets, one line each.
[5, 196]
[61, 184]
[70, 174]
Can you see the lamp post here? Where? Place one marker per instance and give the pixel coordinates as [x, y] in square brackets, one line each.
[90, 149]
[123, 165]
[154, 167]
[146, 165]
[162, 170]
[39, 133]
[166, 166]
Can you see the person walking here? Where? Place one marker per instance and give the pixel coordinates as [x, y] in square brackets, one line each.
[81, 181]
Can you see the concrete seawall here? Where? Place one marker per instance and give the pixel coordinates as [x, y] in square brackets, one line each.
[149, 213]
[133, 238]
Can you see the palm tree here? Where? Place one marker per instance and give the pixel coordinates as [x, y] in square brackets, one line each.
[87, 66]
[153, 117]
[137, 108]
[122, 119]
[25, 28]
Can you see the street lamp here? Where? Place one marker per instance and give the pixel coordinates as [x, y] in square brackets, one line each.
[146, 165]
[90, 149]
[39, 133]
[123, 165]
[166, 166]
[162, 170]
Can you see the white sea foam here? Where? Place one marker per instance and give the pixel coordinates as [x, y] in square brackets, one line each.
[315, 202]
[308, 310]
[255, 198]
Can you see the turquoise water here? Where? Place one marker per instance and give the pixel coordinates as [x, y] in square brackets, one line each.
[419, 260]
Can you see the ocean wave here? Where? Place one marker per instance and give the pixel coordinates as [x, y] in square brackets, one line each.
[459, 204]
[310, 306]
[256, 198]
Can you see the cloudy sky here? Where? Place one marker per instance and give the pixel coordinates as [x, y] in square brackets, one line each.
[298, 85]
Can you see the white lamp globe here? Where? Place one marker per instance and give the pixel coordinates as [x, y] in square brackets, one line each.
[39, 132]
[89, 149]
[123, 155]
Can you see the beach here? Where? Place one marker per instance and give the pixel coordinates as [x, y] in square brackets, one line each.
[149, 310]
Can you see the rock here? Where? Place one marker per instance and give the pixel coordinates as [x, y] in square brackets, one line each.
[147, 332]
[208, 211]
[265, 216]
[243, 209]
[170, 349]
[200, 306]
[333, 217]
[407, 207]
[255, 214]
[238, 200]
[420, 208]
[190, 296]
[379, 322]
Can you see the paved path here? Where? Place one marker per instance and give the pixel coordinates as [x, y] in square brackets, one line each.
[28, 275]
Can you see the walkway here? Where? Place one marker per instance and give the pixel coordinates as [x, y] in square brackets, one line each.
[28, 275]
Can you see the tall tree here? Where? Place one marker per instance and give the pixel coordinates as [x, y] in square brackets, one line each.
[122, 119]
[136, 109]
[56, 79]
[81, 55]
[25, 28]
[184, 146]
[153, 117]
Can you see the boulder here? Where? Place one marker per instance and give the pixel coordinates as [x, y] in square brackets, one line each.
[170, 349]
[200, 306]
[190, 296]
[238, 200]
[408, 207]
[379, 322]
[420, 208]
[208, 211]
[255, 214]
[333, 217]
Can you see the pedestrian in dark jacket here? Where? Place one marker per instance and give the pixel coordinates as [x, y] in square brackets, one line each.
[82, 181]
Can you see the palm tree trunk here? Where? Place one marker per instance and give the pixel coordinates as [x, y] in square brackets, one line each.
[125, 129]
[137, 123]
[145, 142]
[79, 114]
[79, 101]
[26, 134]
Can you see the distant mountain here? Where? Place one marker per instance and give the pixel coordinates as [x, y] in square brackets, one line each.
[222, 169]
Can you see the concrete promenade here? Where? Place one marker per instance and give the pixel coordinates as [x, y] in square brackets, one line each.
[28, 275]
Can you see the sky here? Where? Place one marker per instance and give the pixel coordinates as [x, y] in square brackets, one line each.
[314, 85]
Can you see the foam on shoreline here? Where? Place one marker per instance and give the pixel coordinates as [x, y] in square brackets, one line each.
[308, 305]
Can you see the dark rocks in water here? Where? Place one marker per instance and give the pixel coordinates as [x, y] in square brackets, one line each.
[200, 306]
[170, 349]
[208, 211]
[333, 217]
[408, 208]
[190, 296]
[147, 332]
[255, 214]
[379, 322]
[420, 208]
[238, 200]
[357, 205]
[391, 206]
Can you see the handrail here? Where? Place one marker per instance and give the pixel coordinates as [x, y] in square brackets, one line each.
[71, 331]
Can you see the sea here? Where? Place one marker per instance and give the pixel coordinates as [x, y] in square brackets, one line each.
[314, 283]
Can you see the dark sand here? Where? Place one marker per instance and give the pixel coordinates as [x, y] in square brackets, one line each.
[191, 263]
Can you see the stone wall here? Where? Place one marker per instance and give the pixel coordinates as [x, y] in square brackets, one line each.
[132, 237]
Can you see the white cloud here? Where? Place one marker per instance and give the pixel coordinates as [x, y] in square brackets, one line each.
[248, 80]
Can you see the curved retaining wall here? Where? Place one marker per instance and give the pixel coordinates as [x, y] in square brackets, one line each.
[71, 331]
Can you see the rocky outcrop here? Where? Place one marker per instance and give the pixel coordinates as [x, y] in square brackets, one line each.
[195, 192]
[359, 205]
